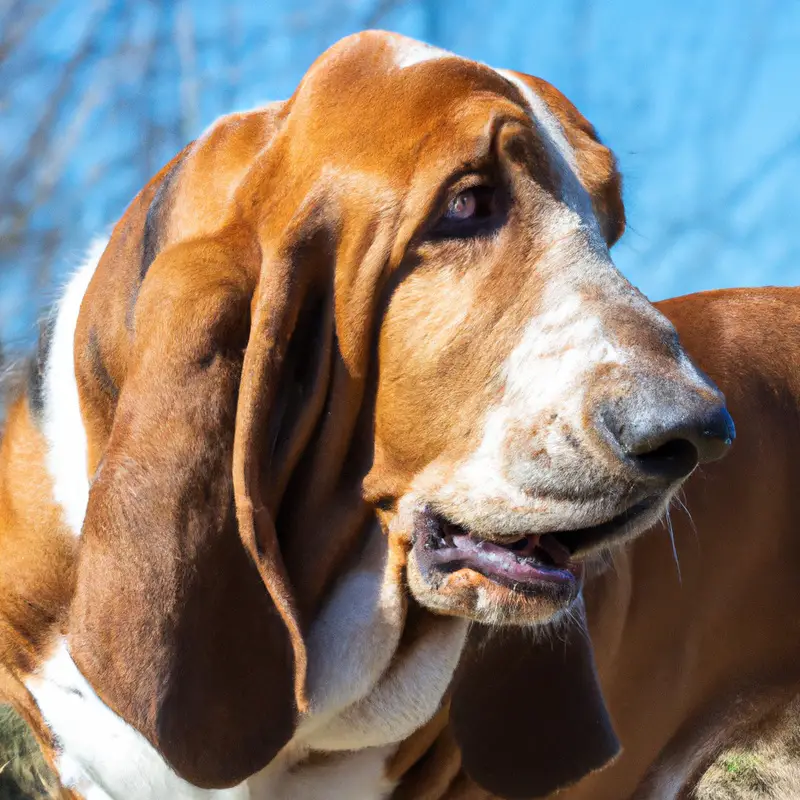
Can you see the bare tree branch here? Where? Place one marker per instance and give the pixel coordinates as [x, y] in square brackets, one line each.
[19, 19]
[382, 9]
[54, 102]
[184, 33]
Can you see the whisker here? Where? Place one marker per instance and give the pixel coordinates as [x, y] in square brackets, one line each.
[575, 615]
[680, 501]
[674, 548]
[583, 627]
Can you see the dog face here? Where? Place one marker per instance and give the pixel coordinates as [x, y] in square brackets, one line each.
[532, 406]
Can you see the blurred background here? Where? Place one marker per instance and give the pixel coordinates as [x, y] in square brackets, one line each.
[699, 99]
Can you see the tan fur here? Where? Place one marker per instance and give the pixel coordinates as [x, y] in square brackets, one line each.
[702, 675]
[36, 570]
[275, 352]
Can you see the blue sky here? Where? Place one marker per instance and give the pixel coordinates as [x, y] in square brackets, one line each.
[699, 99]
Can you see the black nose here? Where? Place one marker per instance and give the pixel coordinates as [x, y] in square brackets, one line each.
[665, 434]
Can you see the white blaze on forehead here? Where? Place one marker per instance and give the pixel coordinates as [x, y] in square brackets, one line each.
[579, 212]
[560, 151]
[546, 119]
[409, 52]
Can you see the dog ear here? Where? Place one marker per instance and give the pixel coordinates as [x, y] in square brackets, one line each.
[171, 622]
[192, 638]
[528, 712]
[597, 166]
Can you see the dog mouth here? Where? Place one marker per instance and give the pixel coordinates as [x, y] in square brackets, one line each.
[525, 564]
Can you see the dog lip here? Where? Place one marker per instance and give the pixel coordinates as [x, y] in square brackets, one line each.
[522, 562]
[582, 542]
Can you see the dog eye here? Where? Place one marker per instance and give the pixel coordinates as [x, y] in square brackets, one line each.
[463, 206]
[474, 203]
[467, 212]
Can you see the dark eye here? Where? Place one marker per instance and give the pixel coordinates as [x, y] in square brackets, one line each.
[467, 211]
[463, 206]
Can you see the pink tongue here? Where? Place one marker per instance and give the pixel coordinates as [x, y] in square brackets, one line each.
[522, 548]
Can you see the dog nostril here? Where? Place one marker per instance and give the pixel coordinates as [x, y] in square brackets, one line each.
[717, 435]
[663, 431]
[673, 459]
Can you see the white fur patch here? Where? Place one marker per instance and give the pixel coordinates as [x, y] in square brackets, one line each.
[545, 118]
[543, 395]
[341, 776]
[555, 350]
[362, 703]
[352, 641]
[562, 155]
[62, 424]
[407, 695]
[409, 53]
[101, 756]
[359, 697]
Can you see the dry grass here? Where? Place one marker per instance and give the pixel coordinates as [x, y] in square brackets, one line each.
[23, 772]
[764, 764]
[767, 767]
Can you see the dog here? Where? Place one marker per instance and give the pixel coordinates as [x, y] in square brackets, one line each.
[353, 372]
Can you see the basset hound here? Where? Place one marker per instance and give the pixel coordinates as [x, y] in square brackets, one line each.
[353, 391]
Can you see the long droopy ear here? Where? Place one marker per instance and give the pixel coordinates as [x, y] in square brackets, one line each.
[597, 165]
[528, 713]
[171, 622]
[190, 637]
[290, 291]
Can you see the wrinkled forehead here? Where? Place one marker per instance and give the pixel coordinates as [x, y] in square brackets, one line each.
[382, 98]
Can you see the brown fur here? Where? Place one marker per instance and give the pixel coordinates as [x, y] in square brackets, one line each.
[274, 222]
[761, 762]
[262, 348]
[671, 654]
[37, 570]
[701, 675]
